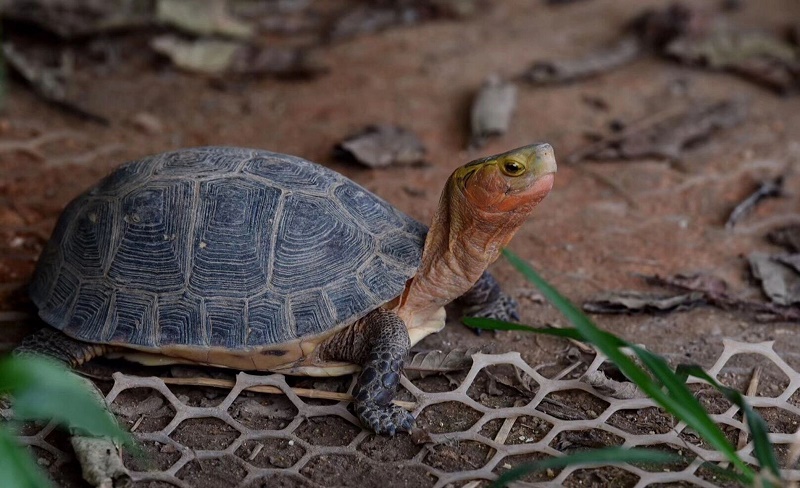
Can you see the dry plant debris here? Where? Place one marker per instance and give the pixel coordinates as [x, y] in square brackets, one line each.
[48, 79]
[779, 276]
[757, 56]
[492, 110]
[690, 291]
[380, 146]
[640, 302]
[772, 188]
[76, 18]
[681, 33]
[218, 56]
[624, 51]
[666, 135]
[209, 17]
[787, 237]
[376, 15]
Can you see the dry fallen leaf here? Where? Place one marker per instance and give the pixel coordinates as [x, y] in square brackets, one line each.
[779, 280]
[635, 302]
[217, 56]
[204, 18]
[623, 390]
[758, 56]
[441, 361]
[666, 137]
[492, 110]
[603, 60]
[787, 237]
[379, 146]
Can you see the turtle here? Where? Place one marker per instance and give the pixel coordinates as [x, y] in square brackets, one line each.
[254, 260]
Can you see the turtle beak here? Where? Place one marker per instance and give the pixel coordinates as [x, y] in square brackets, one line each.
[542, 159]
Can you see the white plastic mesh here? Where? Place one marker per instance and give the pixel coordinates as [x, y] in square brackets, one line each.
[290, 445]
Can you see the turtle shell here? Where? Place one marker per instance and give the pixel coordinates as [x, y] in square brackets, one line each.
[226, 248]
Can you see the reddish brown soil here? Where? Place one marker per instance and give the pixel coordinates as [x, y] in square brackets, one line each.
[602, 226]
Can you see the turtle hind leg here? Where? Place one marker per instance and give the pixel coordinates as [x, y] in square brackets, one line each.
[379, 343]
[485, 299]
[55, 345]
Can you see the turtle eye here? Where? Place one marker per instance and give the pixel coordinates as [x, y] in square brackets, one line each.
[512, 168]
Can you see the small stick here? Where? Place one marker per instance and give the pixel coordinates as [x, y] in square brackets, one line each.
[585, 348]
[255, 452]
[137, 423]
[752, 388]
[769, 189]
[301, 392]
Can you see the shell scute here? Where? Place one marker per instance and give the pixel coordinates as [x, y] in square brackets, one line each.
[232, 244]
[151, 255]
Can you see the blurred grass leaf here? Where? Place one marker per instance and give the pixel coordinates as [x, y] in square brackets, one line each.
[605, 456]
[17, 468]
[43, 390]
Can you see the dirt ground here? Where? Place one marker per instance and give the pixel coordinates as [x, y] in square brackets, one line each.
[603, 226]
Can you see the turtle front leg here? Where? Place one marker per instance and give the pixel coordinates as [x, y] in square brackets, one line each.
[379, 343]
[486, 300]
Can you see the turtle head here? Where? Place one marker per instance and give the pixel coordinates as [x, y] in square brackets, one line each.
[511, 182]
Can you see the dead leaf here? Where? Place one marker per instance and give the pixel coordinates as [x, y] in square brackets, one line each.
[769, 189]
[48, 78]
[492, 110]
[624, 51]
[209, 56]
[788, 237]
[791, 260]
[284, 62]
[441, 361]
[216, 56]
[715, 292]
[371, 17]
[623, 390]
[203, 18]
[636, 302]
[367, 19]
[758, 56]
[379, 146]
[667, 137]
[781, 283]
[79, 18]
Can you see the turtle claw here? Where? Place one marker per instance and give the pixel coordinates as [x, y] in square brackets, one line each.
[502, 308]
[385, 419]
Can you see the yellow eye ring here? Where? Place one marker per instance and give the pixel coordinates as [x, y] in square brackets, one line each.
[512, 168]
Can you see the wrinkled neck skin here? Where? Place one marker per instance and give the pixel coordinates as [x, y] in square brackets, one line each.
[462, 242]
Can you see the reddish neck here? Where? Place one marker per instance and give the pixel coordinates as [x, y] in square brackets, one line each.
[462, 242]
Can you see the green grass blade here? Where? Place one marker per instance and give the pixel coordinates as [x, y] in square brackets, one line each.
[43, 389]
[17, 468]
[762, 447]
[679, 401]
[605, 456]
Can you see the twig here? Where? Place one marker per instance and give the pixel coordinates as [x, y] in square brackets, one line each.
[769, 189]
[301, 392]
[502, 434]
[585, 348]
[752, 388]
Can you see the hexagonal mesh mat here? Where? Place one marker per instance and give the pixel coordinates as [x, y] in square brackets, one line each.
[476, 424]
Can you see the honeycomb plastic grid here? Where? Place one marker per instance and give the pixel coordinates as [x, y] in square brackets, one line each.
[499, 451]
